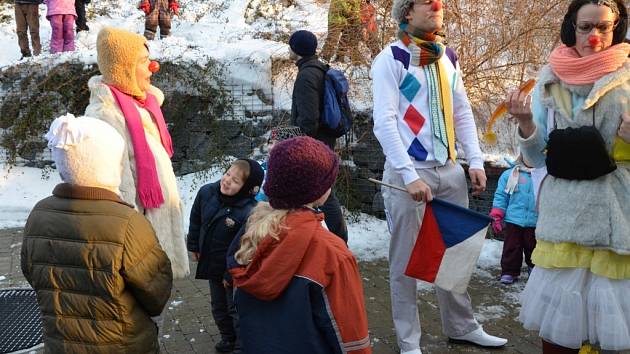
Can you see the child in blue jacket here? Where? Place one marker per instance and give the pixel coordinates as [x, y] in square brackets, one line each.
[219, 212]
[514, 203]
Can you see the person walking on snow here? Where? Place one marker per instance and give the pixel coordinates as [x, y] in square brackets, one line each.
[27, 21]
[515, 204]
[61, 15]
[124, 97]
[419, 105]
[158, 13]
[79, 6]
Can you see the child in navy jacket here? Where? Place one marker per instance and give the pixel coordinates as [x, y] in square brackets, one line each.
[514, 203]
[220, 210]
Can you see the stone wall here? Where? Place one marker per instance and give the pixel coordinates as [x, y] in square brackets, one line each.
[207, 120]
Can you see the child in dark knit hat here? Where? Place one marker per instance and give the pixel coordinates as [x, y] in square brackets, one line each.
[295, 281]
[220, 210]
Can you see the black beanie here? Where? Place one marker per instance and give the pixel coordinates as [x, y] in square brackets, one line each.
[303, 43]
[255, 179]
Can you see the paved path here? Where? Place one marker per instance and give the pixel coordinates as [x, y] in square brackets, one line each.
[189, 328]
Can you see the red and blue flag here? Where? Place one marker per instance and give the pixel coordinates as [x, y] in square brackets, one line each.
[448, 245]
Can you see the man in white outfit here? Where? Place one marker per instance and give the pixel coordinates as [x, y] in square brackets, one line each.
[420, 105]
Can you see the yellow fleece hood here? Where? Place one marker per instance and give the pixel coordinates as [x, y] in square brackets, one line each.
[118, 52]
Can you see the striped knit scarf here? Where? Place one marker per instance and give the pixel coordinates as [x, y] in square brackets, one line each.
[423, 46]
[426, 52]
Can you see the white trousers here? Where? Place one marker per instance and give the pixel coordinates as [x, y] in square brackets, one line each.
[404, 217]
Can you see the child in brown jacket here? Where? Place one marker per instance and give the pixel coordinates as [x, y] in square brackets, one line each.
[94, 261]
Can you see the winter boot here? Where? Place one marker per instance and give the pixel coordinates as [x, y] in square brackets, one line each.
[508, 279]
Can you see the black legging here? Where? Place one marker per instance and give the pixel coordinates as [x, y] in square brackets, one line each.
[79, 6]
[334, 217]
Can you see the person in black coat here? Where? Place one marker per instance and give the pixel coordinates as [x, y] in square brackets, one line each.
[219, 212]
[306, 106]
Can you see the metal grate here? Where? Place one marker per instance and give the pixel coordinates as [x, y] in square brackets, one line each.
[20, 320]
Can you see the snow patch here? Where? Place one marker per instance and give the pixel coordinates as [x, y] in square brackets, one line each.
[368, 237]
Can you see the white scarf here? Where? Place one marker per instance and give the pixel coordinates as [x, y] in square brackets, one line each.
[512, 183]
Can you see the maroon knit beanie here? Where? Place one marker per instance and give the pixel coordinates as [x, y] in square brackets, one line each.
[300, 170]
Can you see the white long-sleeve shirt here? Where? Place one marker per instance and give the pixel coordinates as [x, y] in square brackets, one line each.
[402, 120]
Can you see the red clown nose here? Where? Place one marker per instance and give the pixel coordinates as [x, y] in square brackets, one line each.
[593, 40]
[436, 6]
[154, 66]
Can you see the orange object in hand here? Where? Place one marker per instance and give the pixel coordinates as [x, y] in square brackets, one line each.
[154, 66]
[490, 137]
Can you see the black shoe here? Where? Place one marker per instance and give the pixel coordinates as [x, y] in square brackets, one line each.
[224, 346]
[83, 28]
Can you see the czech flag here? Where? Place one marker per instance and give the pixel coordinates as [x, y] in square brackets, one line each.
[448, 245]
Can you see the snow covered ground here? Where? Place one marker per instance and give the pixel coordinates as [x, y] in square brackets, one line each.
[230, 31]
[22, 187]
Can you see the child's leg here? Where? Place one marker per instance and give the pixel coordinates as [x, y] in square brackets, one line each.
[56, 39]
[529, 243]
[68, 33]
[21, 24]
[219, 304]
[32, 19]
[512, 257]
[164, 19]
[229, 291]
[79, 7]
[151, 22]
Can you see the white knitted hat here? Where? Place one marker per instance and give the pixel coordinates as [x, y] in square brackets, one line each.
[399, 10]
[87, 152]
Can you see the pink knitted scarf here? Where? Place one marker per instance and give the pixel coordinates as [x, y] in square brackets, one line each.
[567, 64]
[147, 181]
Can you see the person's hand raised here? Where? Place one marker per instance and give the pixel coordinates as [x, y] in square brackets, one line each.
[519, 105]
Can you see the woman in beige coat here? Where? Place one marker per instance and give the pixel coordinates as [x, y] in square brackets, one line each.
[124, 97]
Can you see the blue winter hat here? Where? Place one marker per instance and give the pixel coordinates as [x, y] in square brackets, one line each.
[303, 43]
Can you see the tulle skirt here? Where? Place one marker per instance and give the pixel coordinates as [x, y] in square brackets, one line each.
[571, 306]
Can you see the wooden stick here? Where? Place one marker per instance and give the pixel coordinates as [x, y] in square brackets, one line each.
[387, 184]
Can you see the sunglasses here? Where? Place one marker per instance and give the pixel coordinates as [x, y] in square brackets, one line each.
[585, 27]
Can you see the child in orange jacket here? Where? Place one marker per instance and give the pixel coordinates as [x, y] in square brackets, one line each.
[297, 282]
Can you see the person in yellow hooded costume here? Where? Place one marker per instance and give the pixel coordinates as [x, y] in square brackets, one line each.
[124, 97]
